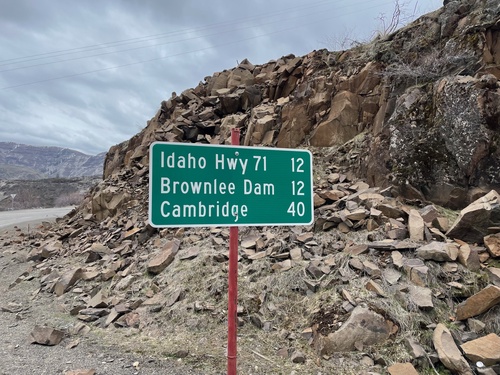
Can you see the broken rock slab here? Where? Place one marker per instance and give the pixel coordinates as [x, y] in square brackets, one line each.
[363, 328]
[422, 297]
[164, 258]
[67, 281]
[484, 349]
[492, 243]
[479, 303]
[469, 257]
[475, 219]
[438, 251]
[416, 226]
[448, 352]
[402, 369]
[46, 336]
[416, 270]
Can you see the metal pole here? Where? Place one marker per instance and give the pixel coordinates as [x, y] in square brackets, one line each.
[232, 302]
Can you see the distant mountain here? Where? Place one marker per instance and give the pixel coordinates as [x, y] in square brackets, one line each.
[24, 162]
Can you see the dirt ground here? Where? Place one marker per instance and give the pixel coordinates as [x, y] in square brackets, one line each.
[22, 308]
[202, 336]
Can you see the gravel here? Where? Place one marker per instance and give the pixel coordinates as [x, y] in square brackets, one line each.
[20, 311]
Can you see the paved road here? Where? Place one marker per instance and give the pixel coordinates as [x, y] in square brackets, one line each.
[25, 218]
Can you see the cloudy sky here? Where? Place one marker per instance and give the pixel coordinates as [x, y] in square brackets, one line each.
[88, 74]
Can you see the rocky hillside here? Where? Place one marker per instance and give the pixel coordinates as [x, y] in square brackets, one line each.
[418, 109]
[24, 162]
[45, 193]
[390, 278]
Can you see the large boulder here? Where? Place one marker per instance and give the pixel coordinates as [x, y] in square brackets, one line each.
[364, 327]
[474, 220]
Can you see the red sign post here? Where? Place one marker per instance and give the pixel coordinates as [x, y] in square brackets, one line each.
[232, 301]
[220, 185]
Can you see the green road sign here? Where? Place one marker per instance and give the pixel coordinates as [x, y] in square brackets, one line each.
[211, 185]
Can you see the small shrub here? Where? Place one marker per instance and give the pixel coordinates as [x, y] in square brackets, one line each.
[428, 67]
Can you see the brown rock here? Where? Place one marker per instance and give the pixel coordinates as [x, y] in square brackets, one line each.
[333, 195]
[245, 64]
[98, 301]
[356, 249]
[318, 201]
[468, 257]
[46, 336]
[402, 369]
[416, 271]
[422, 297]
[442, 224]
[282, 266]
[190, 253]
[363, 328]
[448, 351]
[343, 227]
[100, 249]
[356, 264]
[416, 226]
[296, 124]
[357, 215]
[164, 258]
[494, 275]
[414, 348]
[342, 122]
[429, 213]
[479, 302]
[45, 251]
[374, 287]
[249, 242]
[67, 281]
[348, 297]
[397, 259]
[475, 325]
[131, 319]
[397, 234]
[240, 76]
[390, 211]
[485, 349]
[475, 219]
[296, 253]
[371, 269]
[305, 237]
[113, 315]
[391, 275]
[314, 271]
[438, 251]
[371, 225]
[492, 243]
[218, 81]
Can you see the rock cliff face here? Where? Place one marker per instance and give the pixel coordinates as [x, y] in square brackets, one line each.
[18, 161]
[418, 109]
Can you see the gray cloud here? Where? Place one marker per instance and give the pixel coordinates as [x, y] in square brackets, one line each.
[185, 41]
